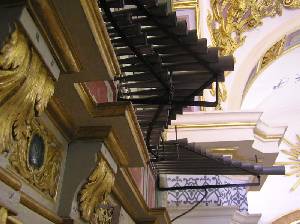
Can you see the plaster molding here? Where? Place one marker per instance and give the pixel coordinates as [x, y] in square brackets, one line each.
[99, 31]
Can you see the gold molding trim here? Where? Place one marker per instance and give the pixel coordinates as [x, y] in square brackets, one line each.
[101, 36]
[214, 125]
[191, 4]
[265, 136]
[35, 206]
[47, 176]
[49, 22]
[114, 109]
[26, 87]
[10, 179]
[110, 139]
[96, 190]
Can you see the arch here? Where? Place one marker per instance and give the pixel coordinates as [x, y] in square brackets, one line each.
[241, 75]
[290, 218]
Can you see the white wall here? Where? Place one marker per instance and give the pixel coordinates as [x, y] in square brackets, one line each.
[275, 198]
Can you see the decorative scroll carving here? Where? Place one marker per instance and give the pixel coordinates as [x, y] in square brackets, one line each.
[291, 3]
[45, 178]
[96, 190]
[25, 89]
[229, 20]
[273, 53]
[102, 215]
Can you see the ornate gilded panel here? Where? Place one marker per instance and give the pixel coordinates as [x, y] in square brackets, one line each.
[25, 88]
[38, 158]
[95, 193]
[273, 53]
[229, 20]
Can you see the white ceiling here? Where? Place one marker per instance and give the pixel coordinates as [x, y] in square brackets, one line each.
[276, 92]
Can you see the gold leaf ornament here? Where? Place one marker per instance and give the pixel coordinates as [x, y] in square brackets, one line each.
[229, 20]
[25, 88]
[46, 177]
[273, 53]
[291, 3]
[96, 190]
[102, 216]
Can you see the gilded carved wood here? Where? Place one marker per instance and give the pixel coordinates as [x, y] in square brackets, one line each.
[25, 88]
[229, 20]
[272, 54]
[46, 177]
[95, 192]
[102, 216]
[291, 3]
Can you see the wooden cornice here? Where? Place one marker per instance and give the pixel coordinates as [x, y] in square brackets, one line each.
[50, 24]
[115, 109]
[97, 26]
[106, 134]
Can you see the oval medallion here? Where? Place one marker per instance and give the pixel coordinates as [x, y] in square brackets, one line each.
[36, 151]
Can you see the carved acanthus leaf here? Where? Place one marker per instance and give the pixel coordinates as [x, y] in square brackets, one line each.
[25, 88]
[96, 190]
